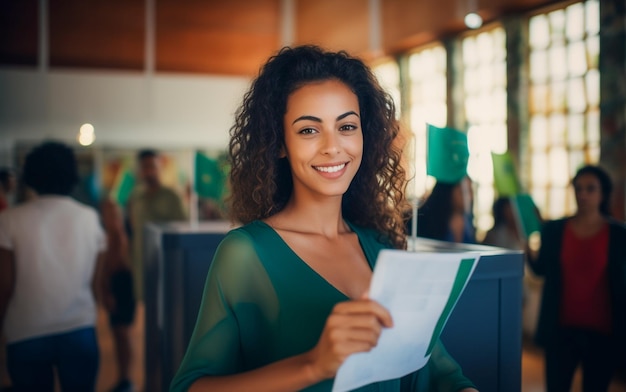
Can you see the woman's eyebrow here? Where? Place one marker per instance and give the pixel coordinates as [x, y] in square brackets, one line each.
[317, 119]
[346, 114]
[310, 118]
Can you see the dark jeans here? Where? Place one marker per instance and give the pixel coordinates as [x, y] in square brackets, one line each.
[571, 347]
[74, 355]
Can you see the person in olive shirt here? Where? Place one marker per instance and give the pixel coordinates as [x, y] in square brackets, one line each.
[150, 202]
[317, 181]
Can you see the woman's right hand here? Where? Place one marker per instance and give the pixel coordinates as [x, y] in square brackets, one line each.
[352, 327]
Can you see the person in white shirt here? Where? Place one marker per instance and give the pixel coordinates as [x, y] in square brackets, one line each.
[49, 252]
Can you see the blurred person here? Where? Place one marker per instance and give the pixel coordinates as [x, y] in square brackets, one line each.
[150, 202]
[51, 249]
[209, 209]
[118, 296]
[505, 232]
[444, 215]
[583, 306]
[7, 188]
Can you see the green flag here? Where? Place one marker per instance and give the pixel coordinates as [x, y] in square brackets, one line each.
[123, 186]
[447, 154]
[526, 213]
[504, 175]
[209, 177]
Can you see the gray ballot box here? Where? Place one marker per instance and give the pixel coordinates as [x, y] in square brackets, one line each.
[483, 333]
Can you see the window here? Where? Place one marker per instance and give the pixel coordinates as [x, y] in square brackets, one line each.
[564, 98]
[427, 103]
[387, 72]
[485, 107]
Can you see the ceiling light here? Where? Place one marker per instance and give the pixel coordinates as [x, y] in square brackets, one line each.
[86, 135]
[473, 20]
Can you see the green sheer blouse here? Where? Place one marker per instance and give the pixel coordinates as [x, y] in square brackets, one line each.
[262, 303]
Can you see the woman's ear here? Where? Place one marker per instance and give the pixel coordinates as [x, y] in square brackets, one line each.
[282, 153]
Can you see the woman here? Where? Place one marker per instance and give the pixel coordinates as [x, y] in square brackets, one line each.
[583, 309]
[444, 215]
[49, 247]
[504, 232]
[317, 181]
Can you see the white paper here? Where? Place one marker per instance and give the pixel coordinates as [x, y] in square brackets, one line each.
[416, 288]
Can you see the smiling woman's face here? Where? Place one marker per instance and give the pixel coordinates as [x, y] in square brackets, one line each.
[323, 138]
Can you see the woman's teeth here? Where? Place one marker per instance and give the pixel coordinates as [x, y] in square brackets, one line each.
[330, 169]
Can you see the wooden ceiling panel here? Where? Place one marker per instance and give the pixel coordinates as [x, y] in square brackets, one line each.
[408, 23]
[18, 32]
[335, 25]
[97, 33]
[223, 37]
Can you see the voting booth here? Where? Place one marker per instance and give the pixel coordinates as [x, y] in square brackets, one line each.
[483, 333]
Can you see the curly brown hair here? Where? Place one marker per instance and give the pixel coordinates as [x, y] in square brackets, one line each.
[261, 181]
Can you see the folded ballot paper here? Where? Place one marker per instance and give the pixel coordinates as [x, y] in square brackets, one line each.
[420, 290]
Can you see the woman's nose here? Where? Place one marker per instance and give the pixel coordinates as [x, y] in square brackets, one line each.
[331, 144]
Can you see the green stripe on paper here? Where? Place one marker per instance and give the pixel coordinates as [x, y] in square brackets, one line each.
[465, 268]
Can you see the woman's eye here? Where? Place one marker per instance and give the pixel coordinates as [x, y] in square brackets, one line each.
[307, 131]
[347, 127]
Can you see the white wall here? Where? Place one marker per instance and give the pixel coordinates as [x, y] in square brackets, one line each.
[127, 109]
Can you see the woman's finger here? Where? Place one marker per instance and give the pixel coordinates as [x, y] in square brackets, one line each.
[365, 306]
[361, 335]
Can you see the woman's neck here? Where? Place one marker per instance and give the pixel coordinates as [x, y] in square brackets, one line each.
[321, 217]
[587, 224]
[589, 217]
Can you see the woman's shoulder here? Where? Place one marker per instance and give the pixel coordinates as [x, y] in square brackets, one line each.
[617, 233]
[247, 241]
[617, 225]
[254, 233]
[234, 254]
[238, 238]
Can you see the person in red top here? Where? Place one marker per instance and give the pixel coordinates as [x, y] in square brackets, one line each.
[583, 309]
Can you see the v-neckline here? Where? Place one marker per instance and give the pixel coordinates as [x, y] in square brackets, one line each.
[308, 267]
